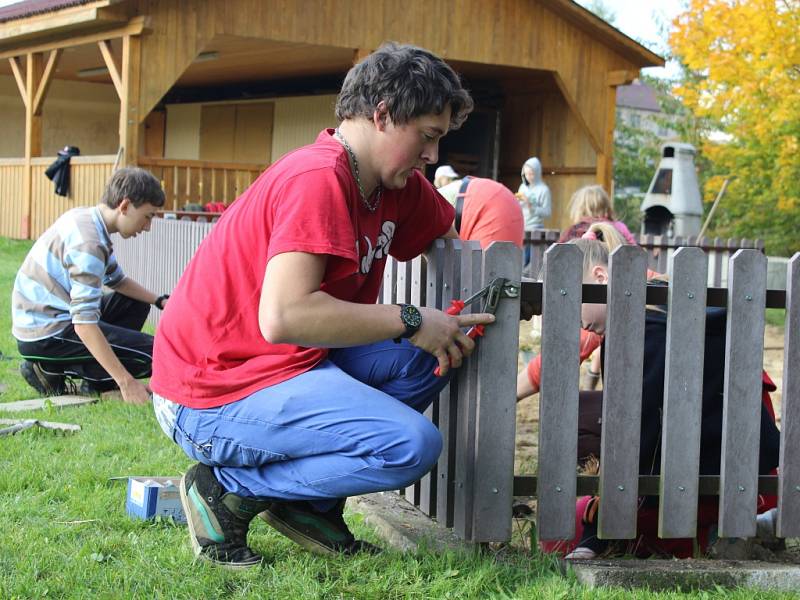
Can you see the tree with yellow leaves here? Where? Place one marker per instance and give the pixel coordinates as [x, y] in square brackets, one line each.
[743, 58]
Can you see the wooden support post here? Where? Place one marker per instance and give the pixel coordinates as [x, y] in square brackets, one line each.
[33, 136]
[605, 161]
[129, 118]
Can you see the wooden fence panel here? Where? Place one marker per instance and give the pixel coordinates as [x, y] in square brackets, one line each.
[622, 405]
[433, 299]
[12, 200]
[683, 394]
[471, 282]
[558, 396]
[448, 398]
[496, 412]
[741, 417]
[789, 469]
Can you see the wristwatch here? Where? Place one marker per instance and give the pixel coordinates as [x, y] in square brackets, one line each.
[411, 318]
[159, 303]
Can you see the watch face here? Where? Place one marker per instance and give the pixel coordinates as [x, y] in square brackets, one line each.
[411, 316]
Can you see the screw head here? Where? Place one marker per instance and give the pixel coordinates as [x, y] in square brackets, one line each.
[558, 488]
[741, 488]
[563, 292]
[495, 491]
[681, 488]
[621, 488]
[748, 297]
[797, 488]
[627, 292]
[690, 295]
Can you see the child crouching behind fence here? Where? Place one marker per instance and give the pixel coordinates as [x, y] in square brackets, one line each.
[593, 318]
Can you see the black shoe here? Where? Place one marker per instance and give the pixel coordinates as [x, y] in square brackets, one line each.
[47, 384]
[319, 532]
[88, 388]
[218, 520]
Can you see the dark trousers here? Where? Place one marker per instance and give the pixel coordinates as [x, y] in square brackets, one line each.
[590, 413]
[121, 321]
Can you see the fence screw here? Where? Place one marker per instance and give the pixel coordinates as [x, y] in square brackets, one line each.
[741, 488]
[681, 488]
[495, 491]
[447, 286]
[627, 292]
[558, 488]
[563, 292]
[748, 297]
[691, 296]
[621, 488]
[797, 488]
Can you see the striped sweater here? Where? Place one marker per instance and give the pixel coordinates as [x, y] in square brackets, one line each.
[61, 280]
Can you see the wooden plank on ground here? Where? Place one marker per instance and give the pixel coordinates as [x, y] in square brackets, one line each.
[683, 394]
[448, 398]
[622, 394]
[789, 470]
[433, 299]
[741, 413]
[39, 403]
[471, 281]
[497, 402]
[558, 396]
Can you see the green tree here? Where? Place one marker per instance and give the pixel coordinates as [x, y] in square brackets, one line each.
[743, 78]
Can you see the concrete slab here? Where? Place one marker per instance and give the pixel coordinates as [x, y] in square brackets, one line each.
[403, 526]
[40, 403]
[687, 574]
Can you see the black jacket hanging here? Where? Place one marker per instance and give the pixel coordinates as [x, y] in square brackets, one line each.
[58, 172]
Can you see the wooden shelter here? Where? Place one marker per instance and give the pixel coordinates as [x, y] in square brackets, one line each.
[207, 92]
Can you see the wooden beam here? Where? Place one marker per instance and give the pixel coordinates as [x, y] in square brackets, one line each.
[65, 21]
[573, 105]
[129, 103]
[605, 158]
[33, 136]
[615, 78]
[135, 26]
[47, 78]
[14, 60]
[111, 64]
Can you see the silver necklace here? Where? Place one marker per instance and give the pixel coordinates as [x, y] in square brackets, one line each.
[378, 191]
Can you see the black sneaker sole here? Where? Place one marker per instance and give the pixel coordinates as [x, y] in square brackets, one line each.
[197, 549]
[298, 537]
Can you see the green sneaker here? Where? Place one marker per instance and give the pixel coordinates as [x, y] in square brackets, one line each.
[323, 533]
[218, 520]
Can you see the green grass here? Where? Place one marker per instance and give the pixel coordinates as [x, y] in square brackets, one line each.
[65, 533]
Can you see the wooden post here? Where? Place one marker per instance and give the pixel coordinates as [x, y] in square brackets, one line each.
[789, 488]
[741, 412]
[558, 396]
[683, 394]
[130, 120]
[33, 135]
[622, 394]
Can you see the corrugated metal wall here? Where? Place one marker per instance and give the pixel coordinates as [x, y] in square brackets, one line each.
[157, 259]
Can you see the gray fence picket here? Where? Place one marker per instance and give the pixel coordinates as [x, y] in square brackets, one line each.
[416, 296]
[789, 470]
[433, 299]
[558, 396]
[741, 417]
[448, 399]
[683, 394]
[496, 404]
[622, 395]
[471, 279]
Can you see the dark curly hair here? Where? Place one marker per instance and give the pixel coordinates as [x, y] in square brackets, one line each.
[411, 81]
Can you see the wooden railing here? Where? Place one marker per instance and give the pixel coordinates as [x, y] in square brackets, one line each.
[199, 182]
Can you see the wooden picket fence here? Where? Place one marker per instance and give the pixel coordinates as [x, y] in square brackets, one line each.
[471, 488]
[659, 250]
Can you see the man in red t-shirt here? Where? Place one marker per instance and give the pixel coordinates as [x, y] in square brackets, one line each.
[274, 367]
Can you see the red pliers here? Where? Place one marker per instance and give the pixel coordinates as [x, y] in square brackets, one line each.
[498, 288]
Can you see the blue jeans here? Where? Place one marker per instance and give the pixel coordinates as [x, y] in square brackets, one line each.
[350, 426]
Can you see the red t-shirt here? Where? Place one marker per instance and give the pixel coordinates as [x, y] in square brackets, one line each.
[491, 214]
[209, 350]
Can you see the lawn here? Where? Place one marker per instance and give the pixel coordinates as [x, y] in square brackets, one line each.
[66, 534]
